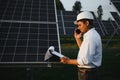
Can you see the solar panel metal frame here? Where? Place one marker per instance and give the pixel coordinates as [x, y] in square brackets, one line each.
[20, 22]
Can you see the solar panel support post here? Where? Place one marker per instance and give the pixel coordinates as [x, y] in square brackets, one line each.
[57, 27]
[116, 21]
[100, 26]
[112, 35]
[61, 12]
[103, 27]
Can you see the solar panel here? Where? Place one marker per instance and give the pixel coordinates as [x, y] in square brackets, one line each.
[66, 22]
[116, 17]
[116, 4]
[67, 26]
[27, 29]
[27, 10]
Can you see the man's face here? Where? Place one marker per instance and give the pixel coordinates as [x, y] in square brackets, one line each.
[83, 26]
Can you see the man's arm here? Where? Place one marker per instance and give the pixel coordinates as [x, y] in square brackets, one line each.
[66, 60]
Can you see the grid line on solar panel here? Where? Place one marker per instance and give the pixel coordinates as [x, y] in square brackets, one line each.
[29, 42]
[28, 10]
[4, 9]
[26, 32]
[4, 46]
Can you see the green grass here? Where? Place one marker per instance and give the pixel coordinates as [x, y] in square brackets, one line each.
[110, 64]
[109, 70]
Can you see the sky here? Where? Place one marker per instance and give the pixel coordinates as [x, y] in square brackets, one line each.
[91, 5]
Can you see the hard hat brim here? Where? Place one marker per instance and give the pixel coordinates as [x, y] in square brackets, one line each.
[75, 22]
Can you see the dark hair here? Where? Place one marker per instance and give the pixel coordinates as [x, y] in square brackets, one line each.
[90, 22]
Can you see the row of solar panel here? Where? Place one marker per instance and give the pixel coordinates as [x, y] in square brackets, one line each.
[38, 11]
[24, 2]
[29, 42]
[66, 25]
[32, 54]
[26, 39]
[24, 50]
[27, 30]
[22, 58]
[28, 18]
[26, 25]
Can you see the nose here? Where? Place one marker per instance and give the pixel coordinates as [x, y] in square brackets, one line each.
[79, 27]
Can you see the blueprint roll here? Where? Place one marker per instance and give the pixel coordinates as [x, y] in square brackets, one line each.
[57, 54]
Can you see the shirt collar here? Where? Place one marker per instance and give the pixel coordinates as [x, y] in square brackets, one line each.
[87, 33]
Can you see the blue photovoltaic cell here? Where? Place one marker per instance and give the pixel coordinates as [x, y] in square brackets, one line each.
[27, 29]
[32, 42]
[27, 10]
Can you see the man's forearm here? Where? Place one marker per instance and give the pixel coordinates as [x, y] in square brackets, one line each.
[72, 61]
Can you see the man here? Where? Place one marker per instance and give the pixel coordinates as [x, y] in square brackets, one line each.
[90, 48]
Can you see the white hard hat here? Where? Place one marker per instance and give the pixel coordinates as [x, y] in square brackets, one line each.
[84, 15]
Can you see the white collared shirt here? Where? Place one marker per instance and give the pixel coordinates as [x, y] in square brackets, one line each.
[90, 52]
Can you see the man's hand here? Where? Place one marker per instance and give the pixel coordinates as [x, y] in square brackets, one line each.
[64, 60]
[77, 36]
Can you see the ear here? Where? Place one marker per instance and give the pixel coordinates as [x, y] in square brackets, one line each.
[87, 23]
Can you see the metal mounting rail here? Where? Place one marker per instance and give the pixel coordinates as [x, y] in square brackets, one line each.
[30, 64]
[37, 22]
